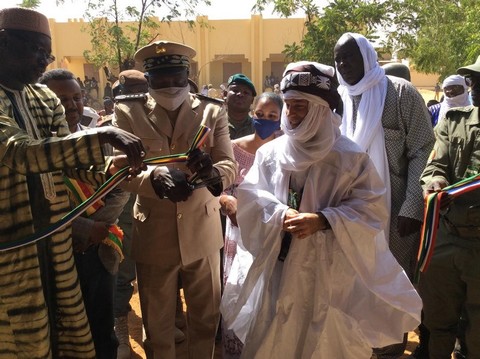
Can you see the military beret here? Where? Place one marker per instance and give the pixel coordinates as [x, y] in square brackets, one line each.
[241, 79]
[164, 54]
[130, 81]
[129, 78]
[17, 18]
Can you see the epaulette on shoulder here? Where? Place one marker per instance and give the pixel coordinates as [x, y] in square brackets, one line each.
[39, 85]
[130, 97]
[211, 99]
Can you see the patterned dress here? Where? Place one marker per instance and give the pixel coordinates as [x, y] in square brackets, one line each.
[232, 346]
[245, 161]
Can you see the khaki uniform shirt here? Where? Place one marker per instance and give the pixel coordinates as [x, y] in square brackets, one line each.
[184, 232]
[455, 156]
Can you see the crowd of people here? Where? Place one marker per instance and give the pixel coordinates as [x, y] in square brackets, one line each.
[291, 218]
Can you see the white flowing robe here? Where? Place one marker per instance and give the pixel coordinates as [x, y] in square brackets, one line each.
[340, 292]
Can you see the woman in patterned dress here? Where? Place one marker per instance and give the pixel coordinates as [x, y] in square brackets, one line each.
[267, 111]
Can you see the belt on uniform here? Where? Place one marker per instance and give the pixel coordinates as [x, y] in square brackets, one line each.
[462, 231]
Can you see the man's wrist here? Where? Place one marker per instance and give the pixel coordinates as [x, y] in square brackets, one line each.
[324, 224]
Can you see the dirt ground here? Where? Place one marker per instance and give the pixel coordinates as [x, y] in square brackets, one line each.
[135, 328]
[427, 94]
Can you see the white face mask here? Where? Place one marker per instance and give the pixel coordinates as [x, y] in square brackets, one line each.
[170, 98]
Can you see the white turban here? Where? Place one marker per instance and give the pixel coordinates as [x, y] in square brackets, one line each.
[368, 132]
[315, 136]
[461, 100]
[455, 80]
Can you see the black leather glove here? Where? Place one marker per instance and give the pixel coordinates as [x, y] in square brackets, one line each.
[200, 163]
[171, 184]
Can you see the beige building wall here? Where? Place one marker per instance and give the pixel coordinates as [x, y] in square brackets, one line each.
[245, 45]
[423, 81]
[253, 46]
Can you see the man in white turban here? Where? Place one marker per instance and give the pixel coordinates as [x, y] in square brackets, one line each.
[387, 118]
[455, 89]
[311, 212]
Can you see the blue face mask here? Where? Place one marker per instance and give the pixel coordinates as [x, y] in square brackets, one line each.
[265, 128]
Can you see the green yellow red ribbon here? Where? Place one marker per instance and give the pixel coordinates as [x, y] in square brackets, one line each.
[81, 192]
[432, 217]
[115, 239]
[105, 188]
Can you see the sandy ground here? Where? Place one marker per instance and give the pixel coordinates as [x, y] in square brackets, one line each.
[427, 94]
[135, 328]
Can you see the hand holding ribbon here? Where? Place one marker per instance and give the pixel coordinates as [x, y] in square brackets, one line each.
[203, 172]
[138, 152]
[438, 196]
[171, 183]
[128, 143]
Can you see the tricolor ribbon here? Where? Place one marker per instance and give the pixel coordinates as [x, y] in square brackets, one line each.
[432, 217]
[81, 191]
[115, 239]
[105, 188]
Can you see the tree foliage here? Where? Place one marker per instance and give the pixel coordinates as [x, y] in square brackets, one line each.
[442, 37]
[33, 4]
[325, 25]
[30, 4]
[438, 36]
[118, 32]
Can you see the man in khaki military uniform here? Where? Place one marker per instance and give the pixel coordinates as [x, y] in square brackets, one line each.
[452, 280]
[176, 230]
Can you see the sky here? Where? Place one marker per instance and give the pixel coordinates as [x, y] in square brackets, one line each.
[73, 9]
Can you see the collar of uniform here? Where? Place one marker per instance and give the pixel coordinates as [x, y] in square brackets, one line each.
[240, 124]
